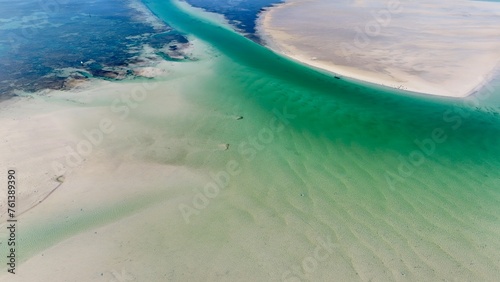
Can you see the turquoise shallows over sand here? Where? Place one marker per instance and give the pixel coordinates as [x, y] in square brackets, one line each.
[440, 218]
[404, 187]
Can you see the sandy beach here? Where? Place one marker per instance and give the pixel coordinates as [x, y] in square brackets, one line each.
[90, 156]
[440, 48]
[236, 164]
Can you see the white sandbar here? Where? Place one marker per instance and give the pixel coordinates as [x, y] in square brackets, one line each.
[442, 48]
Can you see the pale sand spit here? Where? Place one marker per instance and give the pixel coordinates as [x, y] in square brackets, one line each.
[443, 48]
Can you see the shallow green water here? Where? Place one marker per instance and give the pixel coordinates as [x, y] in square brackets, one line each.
[349, 164]
[345, 165]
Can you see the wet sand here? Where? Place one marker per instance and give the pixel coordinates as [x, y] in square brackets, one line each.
[441, 48]
[308, 198]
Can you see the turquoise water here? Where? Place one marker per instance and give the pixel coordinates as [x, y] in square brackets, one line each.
[350, 164]
[381, 118]
[404, 186]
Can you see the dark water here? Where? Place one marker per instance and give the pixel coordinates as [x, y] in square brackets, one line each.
[241, 13]
[37, 38]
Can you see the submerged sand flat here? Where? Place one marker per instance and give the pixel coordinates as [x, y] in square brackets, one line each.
[433, 47]
[310, 199]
